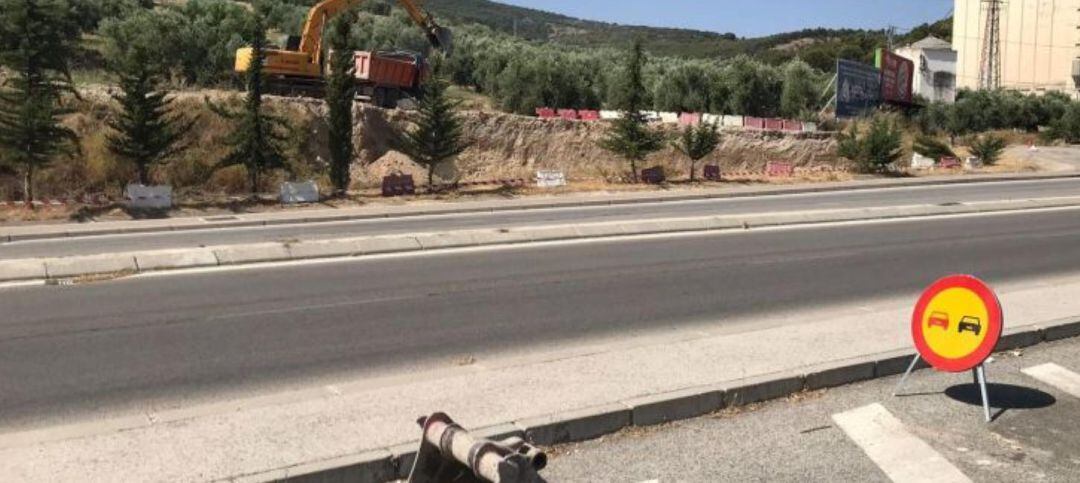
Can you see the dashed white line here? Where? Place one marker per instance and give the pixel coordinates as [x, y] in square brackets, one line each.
[902, 456]
[1056, 376]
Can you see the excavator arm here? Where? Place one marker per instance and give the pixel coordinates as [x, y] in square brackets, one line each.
[322, 12]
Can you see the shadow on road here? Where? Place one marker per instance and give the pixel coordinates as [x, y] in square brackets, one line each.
[1003, 397]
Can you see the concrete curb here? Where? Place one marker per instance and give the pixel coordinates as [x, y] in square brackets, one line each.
[233, 255]
[75, 231]
[648, 410]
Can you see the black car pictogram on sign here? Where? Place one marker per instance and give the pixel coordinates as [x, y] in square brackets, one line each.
[970, 324]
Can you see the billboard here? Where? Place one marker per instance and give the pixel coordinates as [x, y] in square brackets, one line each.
[897, 77]
[858, 88]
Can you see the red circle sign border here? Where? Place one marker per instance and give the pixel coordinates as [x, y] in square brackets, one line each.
[995, 324]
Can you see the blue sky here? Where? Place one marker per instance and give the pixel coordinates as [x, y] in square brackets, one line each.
[751, 18]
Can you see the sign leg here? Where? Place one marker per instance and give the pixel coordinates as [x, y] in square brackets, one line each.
[980, 376]
[910, 369]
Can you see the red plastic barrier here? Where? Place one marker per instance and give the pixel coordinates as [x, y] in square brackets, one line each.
[689, 119]
[712, 172]
[774, 124]
[795, 126]
[568, 114]
[779, 169]
[545, 112]
[754, 122]
[589, 115]
[949, 163]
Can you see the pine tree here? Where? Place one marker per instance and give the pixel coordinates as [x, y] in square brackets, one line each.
[630, 136]
[146, 134]
[438, 135]
[340, 95]
[256, 140]
[36, 43]
[698, 142]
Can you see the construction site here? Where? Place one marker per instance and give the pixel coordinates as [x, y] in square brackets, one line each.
[510, 137]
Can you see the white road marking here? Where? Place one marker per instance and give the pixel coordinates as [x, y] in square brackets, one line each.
[1057, 376]
[902, 456]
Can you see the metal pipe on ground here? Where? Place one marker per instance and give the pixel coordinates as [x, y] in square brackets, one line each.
[449, 453]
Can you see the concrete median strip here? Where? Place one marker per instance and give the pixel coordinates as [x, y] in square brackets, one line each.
[89, 265]
[231, 255]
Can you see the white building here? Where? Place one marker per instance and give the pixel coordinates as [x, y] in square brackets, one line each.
[1040, 44]
[935, 68]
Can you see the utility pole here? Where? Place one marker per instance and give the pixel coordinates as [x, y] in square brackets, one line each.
[990, 66]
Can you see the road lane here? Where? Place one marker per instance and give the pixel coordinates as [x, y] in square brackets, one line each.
[762, 204]
[84, 348]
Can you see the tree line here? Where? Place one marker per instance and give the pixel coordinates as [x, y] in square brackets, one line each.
[40, 39]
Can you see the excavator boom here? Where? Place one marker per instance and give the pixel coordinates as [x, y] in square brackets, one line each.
[306, 62]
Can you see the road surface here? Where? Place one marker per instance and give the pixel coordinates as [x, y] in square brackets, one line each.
[1034, 437]
[762, 204]
[81, 350]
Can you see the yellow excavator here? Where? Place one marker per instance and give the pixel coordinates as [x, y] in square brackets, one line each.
[298, 69]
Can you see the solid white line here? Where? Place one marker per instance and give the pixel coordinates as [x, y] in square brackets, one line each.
[1059, 377]
[903, 457]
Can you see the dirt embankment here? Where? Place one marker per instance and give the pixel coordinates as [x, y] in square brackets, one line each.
[502, 146]
[509, 146]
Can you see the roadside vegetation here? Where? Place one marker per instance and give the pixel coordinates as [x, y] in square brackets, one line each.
[153, 64]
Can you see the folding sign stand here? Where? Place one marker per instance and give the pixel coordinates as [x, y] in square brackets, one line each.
[979, 373]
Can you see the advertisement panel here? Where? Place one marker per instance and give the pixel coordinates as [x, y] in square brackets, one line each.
[858, 88]
[897, 77]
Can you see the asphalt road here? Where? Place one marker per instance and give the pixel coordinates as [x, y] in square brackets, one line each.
[72, 350]
[1034, 436]
[762, 204]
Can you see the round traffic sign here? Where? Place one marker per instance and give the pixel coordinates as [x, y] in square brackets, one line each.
[957, 323]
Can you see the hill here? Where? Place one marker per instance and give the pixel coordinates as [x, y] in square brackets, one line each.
[538, 25]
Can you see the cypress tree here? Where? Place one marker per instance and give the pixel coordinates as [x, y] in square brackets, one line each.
[438, 134]
[629, 136]
[146, 134]
[340, 95]
[36, 42]
[256, 140]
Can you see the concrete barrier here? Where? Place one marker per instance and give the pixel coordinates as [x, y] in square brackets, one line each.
[390, 244]
[348, 247]
[669, 117]
[675, 405]
[149, 197]
[14, 270]
[296, 193]
[841, 373]
[575, 426]
[175, 259]
[598, 231]
[733, 121]
[763, 388]
[446, 240]
[89, 265]
[610, 115]
[552, 233]
[372, 466]
[259, 253]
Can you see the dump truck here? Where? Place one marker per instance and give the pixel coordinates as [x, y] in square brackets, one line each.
[299, 69]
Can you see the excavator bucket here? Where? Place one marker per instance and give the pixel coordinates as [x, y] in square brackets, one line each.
[443, 38]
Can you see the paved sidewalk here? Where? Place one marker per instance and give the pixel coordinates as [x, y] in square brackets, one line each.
[371, 419]
[422, 208]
